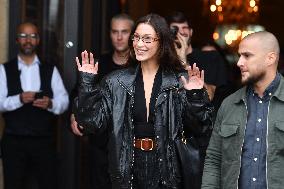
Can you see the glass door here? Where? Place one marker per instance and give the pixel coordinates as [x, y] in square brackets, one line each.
[66, 28]
[57, 21]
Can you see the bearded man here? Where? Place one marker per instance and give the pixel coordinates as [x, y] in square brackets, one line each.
[31, 94]
[246, 149]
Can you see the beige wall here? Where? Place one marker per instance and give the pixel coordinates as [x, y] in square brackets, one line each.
[4, 7]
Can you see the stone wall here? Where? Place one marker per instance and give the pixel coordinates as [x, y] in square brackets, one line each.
[4, 8]
[4, 26]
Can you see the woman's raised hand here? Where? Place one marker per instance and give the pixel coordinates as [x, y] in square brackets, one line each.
[88, 64]
[195, 78]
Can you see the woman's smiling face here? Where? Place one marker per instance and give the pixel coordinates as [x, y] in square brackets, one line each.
[145, 43]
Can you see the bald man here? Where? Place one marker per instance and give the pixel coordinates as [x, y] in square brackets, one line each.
[31, 95]
[246, 149]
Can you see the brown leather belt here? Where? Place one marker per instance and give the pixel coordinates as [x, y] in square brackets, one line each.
[145, 144]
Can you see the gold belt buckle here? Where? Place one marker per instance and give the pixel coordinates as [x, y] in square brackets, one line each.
[146, 139]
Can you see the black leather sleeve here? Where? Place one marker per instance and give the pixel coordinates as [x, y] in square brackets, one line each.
[199, 112]
[92, 108]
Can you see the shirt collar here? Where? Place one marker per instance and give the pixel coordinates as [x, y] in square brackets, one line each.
[21, 62]
[270, 89]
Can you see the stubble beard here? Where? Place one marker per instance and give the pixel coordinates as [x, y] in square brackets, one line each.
[27, 51]
[253, 79]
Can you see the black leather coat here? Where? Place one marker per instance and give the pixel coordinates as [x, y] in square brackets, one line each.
[109, 105]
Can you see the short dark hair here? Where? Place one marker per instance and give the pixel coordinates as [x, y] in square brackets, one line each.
[178, 17]
[123, 16]
[167, 54]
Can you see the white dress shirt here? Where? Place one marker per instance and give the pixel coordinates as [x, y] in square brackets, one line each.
[30, 81]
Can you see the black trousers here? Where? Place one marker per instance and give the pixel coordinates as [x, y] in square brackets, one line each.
[146, 171]
[99, 176]
[23, 155]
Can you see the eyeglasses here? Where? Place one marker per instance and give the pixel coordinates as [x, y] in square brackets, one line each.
[145, 39]
[25, 36]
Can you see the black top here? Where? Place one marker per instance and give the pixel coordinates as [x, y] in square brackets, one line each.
[211, 62]
[143, 128]
[107, 65]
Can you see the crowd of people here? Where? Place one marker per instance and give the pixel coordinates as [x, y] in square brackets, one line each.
[137, 101]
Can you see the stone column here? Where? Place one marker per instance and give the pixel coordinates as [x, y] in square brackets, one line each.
[4, 23]
[4, 26]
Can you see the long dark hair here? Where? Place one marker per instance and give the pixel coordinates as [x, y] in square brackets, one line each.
[167, 55]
